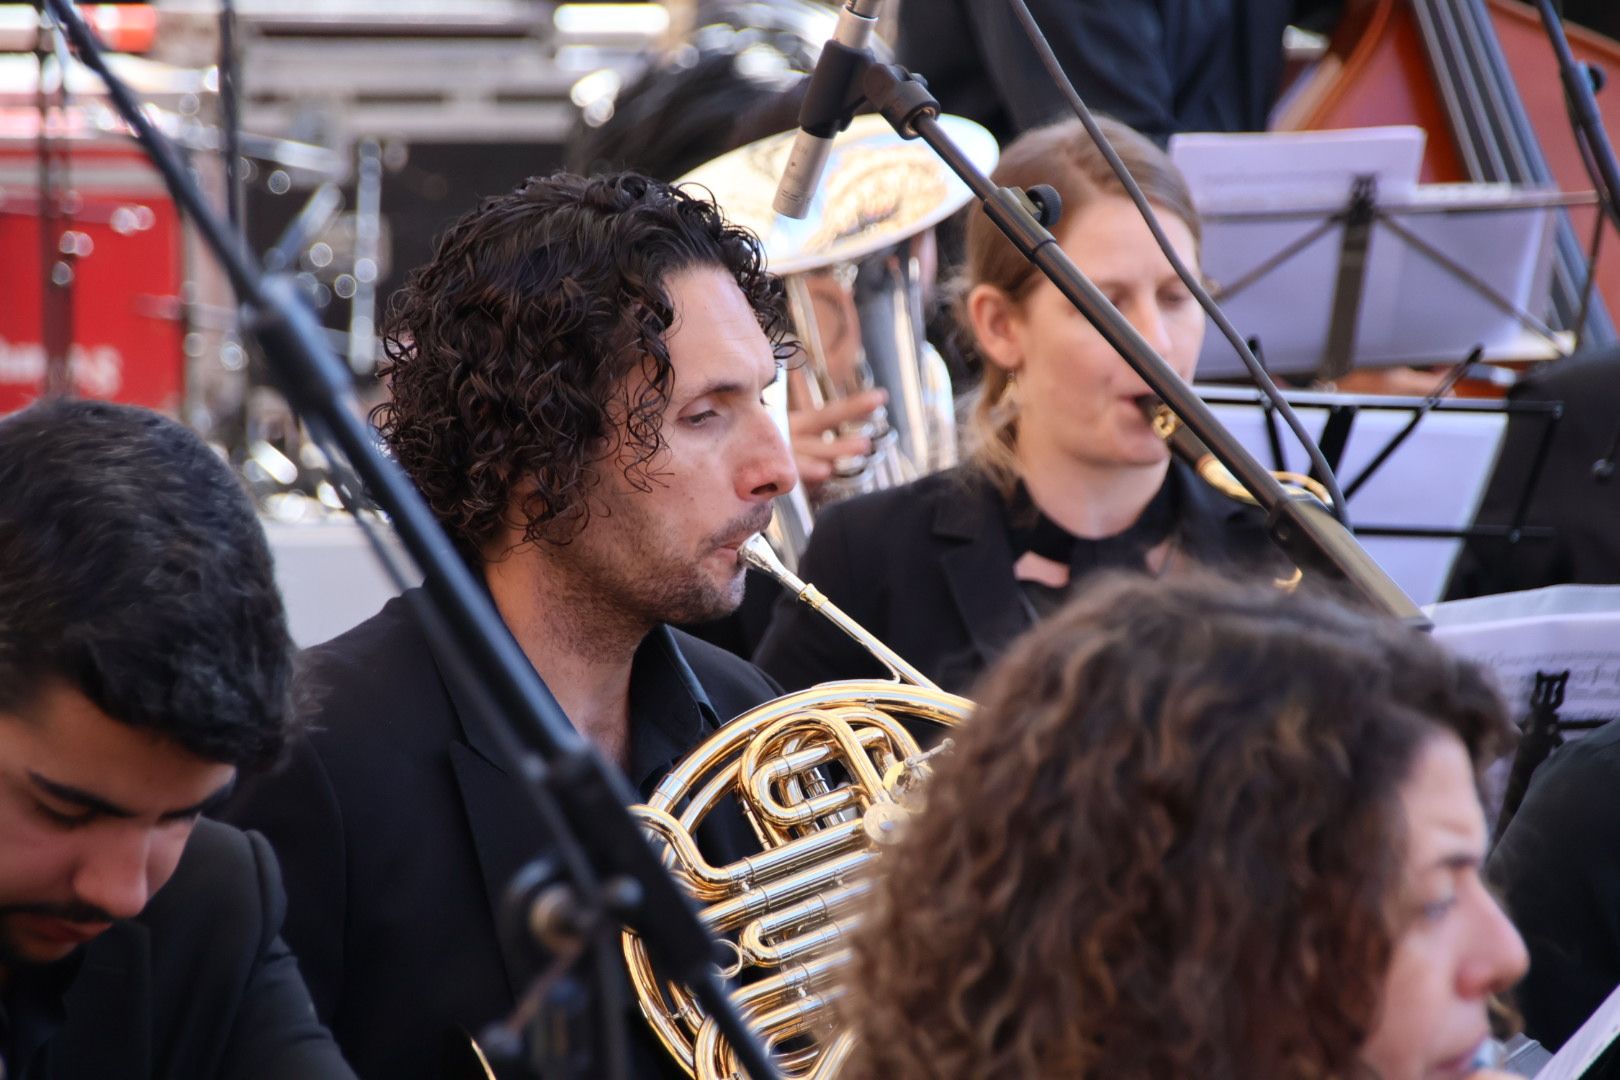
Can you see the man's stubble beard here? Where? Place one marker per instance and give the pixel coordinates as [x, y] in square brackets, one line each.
[615, 597]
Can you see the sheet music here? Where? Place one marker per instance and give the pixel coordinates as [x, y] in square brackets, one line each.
[1301, 169]
[1583, 1047]
[1262, 194]
[1564, 627]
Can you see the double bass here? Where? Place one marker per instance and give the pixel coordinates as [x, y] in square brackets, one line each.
[1480, 76]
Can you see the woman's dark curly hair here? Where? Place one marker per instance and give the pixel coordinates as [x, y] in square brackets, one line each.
[1168, 844]
[510, 355]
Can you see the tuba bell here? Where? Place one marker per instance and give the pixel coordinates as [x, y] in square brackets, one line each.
[857, 272]
[819, 775]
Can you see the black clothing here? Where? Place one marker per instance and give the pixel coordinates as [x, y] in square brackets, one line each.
[1583, 512]
[1029, 530]
[1161, 66]
[399, 830]
[928, 569]
[1600, 15]
[1558, 866]
[198, 985]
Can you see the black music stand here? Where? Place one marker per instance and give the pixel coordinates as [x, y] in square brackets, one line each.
[1340, 423]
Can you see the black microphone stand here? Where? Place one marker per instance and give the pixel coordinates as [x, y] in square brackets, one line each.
[605, 861]
[1301, 526]
[1583, 110]
[1598, 155]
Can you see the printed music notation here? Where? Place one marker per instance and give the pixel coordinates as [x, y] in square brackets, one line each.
[1574, 628]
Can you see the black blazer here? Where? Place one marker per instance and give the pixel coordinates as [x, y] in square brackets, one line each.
[1161, 66]
[928, 569]
[399, 832]
[198, 985]
[1558, 867]
[1582, 511]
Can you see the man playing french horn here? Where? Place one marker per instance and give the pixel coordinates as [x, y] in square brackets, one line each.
[577, 383]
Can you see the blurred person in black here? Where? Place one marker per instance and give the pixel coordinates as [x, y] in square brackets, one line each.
[1576, 492]
[144, 660]
[1557, 865]
[1160, 67]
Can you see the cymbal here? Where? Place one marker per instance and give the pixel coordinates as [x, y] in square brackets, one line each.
[878, 189]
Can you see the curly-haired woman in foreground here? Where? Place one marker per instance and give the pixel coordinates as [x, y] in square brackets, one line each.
[1196, 831]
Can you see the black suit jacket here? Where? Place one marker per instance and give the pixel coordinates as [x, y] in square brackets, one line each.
[197, 986]
[1161, 66]
[928, 569]
[1582, 511]
[1558, 867]
[399, 831]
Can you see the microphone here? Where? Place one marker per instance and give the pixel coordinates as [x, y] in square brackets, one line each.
[829, 105]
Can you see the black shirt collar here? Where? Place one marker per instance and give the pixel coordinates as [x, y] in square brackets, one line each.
[669, 711]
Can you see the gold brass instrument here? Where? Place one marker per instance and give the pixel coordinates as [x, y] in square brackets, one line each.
[857, 271]
[818, 774]
[1185, 445]
[1189, 448]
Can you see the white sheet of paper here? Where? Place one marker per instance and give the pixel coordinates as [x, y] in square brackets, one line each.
[1309, 169]
[1412, 309]
[1583, 1047]
[1564, 627]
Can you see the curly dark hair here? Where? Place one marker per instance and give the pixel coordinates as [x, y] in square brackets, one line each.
[133, 569]
[510, 355]
[1169, 843]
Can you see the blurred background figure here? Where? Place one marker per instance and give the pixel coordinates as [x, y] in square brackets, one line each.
[1063, 474]
[1196, 830]
[1558, 867]
[1575, 493]
[1185, 65]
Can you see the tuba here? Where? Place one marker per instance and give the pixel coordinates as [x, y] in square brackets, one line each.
[819, 775]
[857, 272]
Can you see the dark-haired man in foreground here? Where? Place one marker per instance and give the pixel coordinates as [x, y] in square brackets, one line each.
[576, 387]
[144, 658]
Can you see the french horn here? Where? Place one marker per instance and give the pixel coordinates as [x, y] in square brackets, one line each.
[820, 775]
[857, 270]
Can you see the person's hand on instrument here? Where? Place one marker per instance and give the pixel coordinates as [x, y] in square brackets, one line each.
[818, 446]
